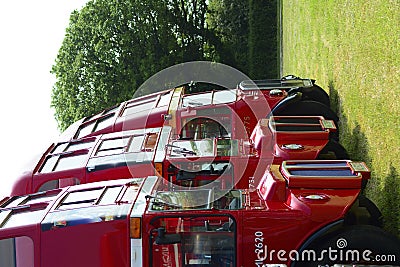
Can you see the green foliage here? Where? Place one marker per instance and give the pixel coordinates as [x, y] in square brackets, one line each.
[262, 39]
[112, 46]
[229, 19]
[248, 31]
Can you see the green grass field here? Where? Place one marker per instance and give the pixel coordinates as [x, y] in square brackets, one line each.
[352, 49]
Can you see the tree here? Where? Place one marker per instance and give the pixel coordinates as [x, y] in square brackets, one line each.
[112, 47]
[229, 19]
[263, 39]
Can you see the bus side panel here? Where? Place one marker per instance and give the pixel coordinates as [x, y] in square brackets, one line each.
[94, 244]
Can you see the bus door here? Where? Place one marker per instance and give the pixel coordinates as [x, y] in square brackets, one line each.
[193, 241]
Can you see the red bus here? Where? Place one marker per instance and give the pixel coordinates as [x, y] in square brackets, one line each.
[302, 213]
[202, 152]
[150, 132]
[251, 101]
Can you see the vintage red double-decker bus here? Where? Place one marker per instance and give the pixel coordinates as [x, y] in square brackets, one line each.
[251, 176]
[157, 150]
[131, 139]
[302, 213]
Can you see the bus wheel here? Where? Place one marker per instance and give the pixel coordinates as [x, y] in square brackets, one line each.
[358, 245]
[308, 108]
[316, 93]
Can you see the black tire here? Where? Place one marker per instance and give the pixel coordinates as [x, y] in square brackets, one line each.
[316, 93]
[333, 150]
[334, 135]
[358, 244]
[308, 108]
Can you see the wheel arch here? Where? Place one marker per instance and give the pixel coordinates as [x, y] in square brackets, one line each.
[363, 212]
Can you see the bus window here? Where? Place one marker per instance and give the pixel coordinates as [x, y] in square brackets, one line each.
[113, 146]
[58, 160]
[196, 100]
[30, 209]
[217, 174]
[103, 123]
[136, 144]
[138, 106]
[24, 216]
[74, 146]
[66, 163]
[193, 241]
[79, 199]
[165, 99]
[182, 199]
[49, 164]
[63, 182]
[59, 148]
[150, 142]
[16, 252]
[201, 128]
[110, 195]
[85, 129]
[97, 122]
[224, 96]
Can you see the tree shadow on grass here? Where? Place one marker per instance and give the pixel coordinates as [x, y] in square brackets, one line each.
[353, 139]
[390, 201]
[383, 191]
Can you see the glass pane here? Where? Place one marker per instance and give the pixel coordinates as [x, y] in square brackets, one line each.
[227, 147]
[136, 144]
[49, 185]
[110, 195]
[81, 196]
[226, 96]
[135, 102]
[165, 99]
[114, 143]
[197, 100]
[7, 254]
[13, 202]
[59, 148]
[185, 199]
[196, 241]
[16, 252]
[79, 146]
[66, 163]
[35, 199]
[110, 152]
[24, 218]
[76, 205]
[3, 215]
[49, 164]
[85, 130]
[137, 107]
[103, 123]
[151, 140]
[201, 148]
[201, 128]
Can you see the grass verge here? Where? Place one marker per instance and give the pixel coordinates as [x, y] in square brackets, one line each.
[352, 49]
